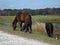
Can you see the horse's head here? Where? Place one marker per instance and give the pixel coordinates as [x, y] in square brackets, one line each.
[14, 26]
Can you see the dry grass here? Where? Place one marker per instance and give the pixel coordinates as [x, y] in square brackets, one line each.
[40, 27]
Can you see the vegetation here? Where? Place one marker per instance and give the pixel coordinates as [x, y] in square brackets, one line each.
[53, 19]
[35, 35]
[6, 19]
[46, 11]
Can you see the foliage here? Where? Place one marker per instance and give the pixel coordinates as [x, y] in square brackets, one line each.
[46, 11]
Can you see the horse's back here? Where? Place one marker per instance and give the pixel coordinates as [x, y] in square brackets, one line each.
[23, 17]
[49, 25]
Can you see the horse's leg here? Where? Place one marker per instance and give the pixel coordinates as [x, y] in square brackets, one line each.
[21, 26]
[48, 32]
[51, 30]
[30, 26]
[14, 28]
[26, 28]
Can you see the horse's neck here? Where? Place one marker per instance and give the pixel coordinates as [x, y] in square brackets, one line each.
[15, 21]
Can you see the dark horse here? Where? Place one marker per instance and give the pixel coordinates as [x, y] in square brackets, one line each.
[49, 29]
[23, 18]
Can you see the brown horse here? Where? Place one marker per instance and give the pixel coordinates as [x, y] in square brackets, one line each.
[23, 18]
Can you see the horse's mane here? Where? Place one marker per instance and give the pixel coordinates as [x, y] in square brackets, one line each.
[19, 13]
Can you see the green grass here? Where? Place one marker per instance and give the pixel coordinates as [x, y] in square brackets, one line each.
[6, 19]
[54, 19]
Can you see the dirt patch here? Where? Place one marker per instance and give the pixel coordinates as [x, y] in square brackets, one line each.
[8, 39]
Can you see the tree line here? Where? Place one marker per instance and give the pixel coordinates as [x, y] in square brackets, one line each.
[46, 11]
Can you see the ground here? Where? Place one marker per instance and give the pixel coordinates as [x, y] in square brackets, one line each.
[8, 39]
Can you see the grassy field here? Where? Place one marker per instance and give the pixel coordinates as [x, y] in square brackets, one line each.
[8, 19]
[53, 19]
[35, 35]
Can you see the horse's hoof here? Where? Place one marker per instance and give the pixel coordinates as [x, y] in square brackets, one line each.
[20, 30]
[26, 31]
[14, 30]
[30, 32]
